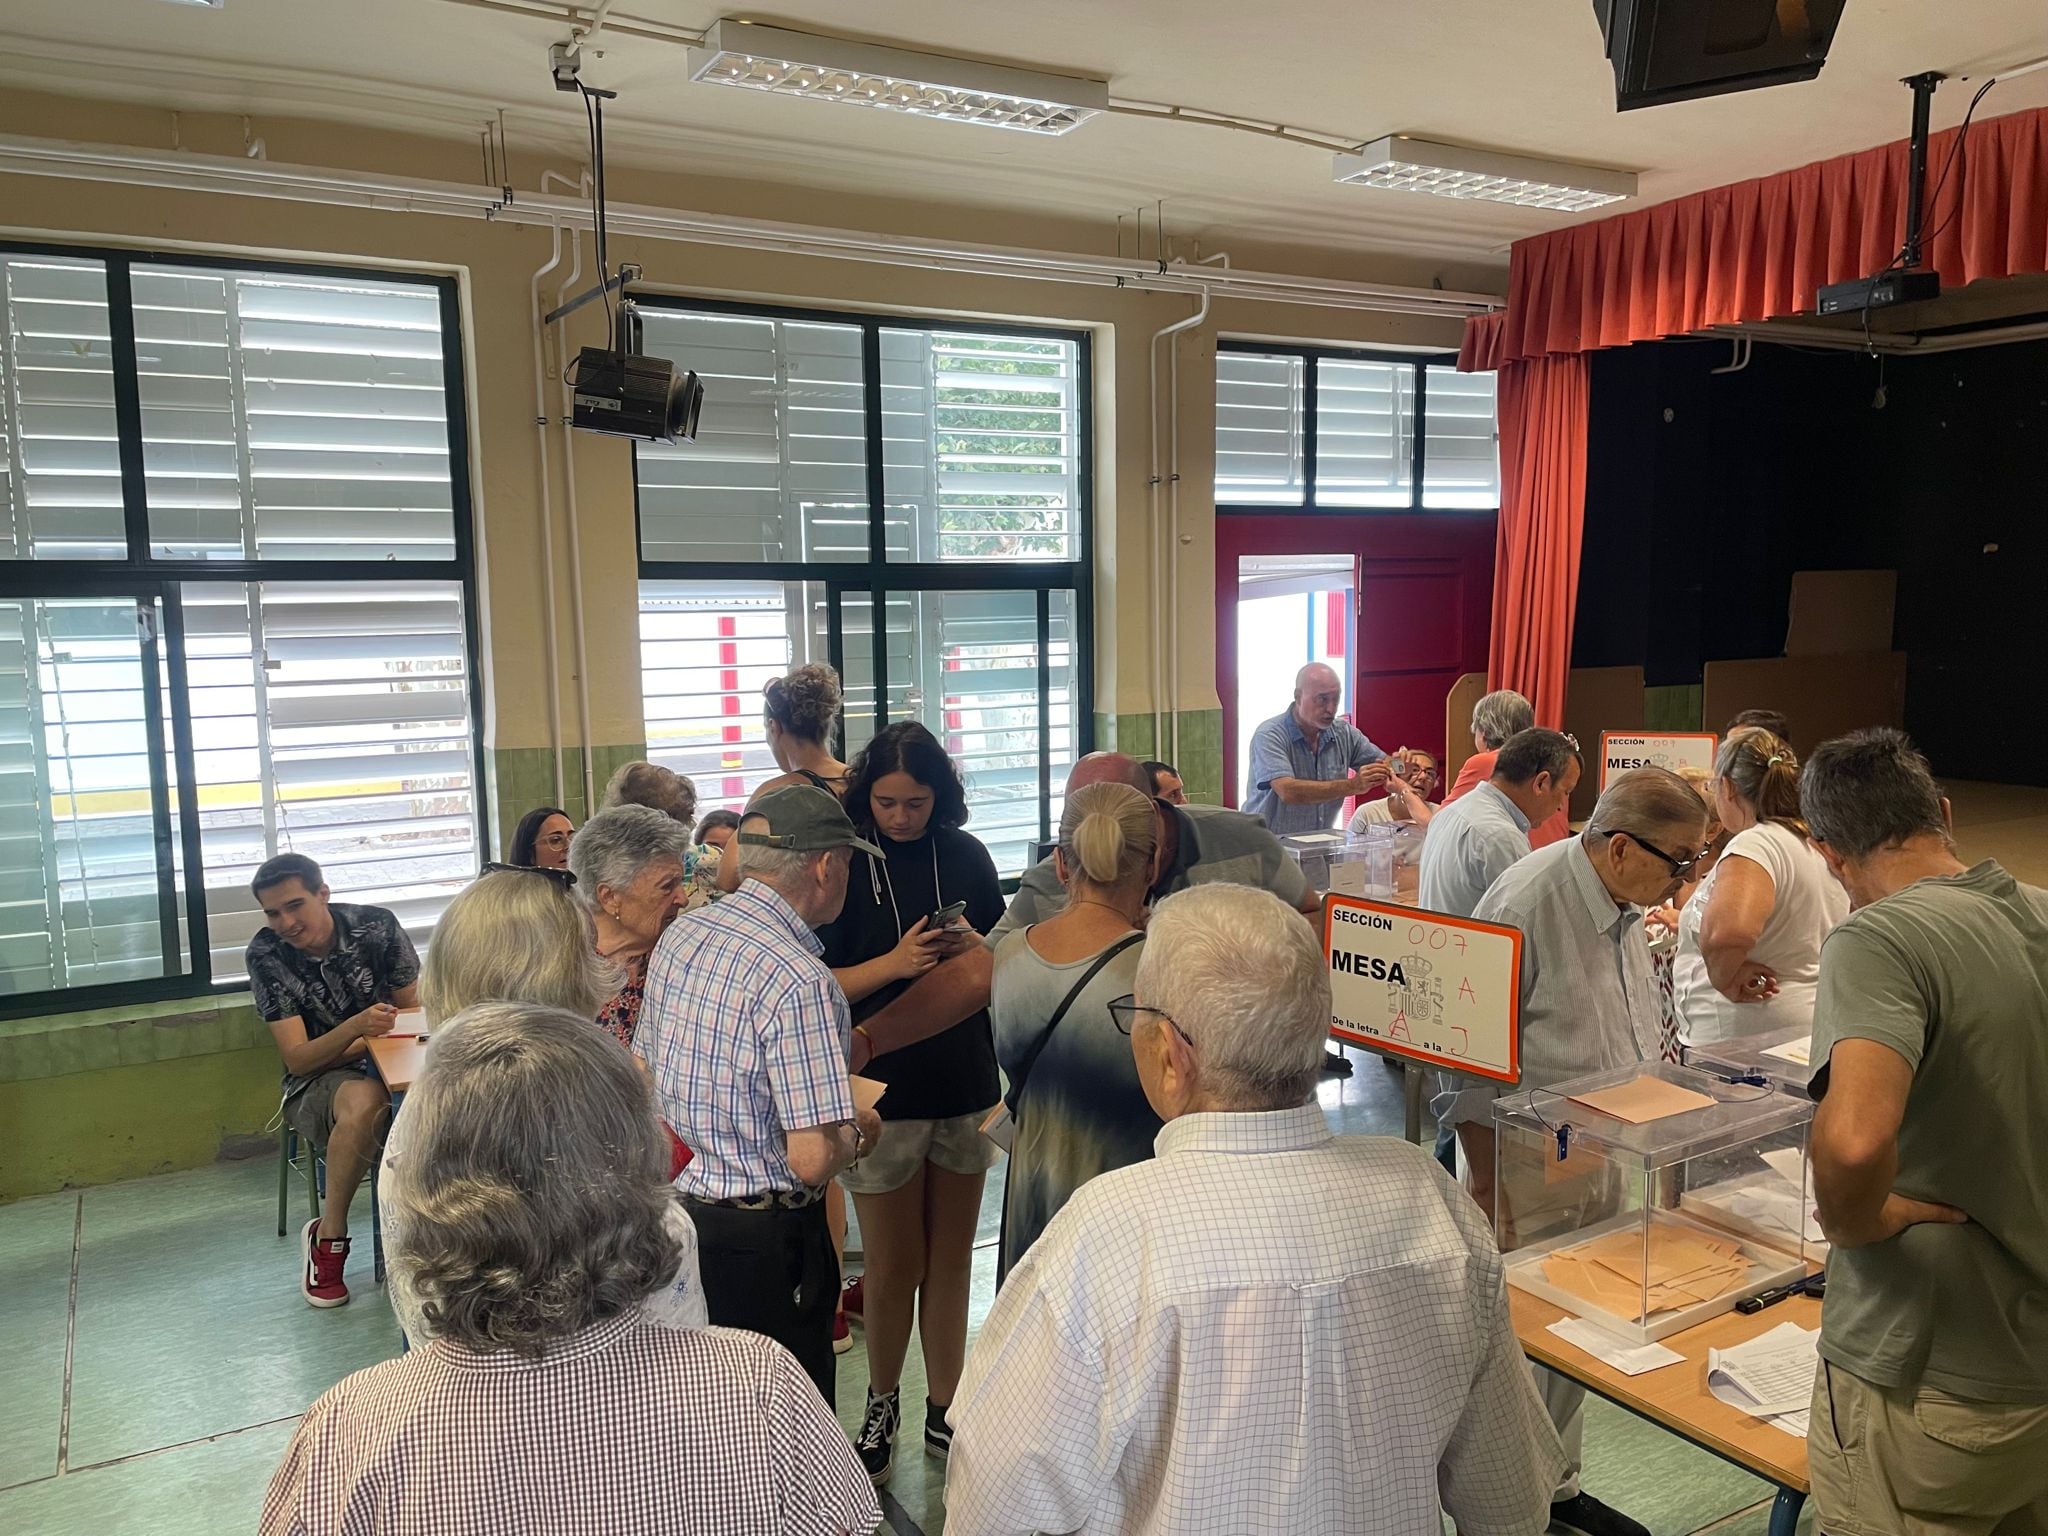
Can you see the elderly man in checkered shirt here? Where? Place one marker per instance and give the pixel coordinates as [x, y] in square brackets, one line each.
[1267, 1327]
[747, 1035]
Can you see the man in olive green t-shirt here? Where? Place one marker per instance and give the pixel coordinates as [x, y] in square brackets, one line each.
[1930, 1164]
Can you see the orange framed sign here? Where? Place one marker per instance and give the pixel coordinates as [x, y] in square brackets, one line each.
[1619, 752]
[1425, 986]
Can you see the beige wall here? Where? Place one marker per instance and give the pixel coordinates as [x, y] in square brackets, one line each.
[496, 263]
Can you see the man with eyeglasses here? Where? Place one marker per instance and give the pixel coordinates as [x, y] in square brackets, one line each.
[1304, 761]
[1265, 1326]
[1589, 1004]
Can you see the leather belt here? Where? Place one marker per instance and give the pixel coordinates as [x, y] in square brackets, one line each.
[775, 1200]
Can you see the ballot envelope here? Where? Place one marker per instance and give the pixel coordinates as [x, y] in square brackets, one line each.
[1651, 1198]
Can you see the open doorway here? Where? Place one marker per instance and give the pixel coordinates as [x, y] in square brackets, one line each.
[1291, 610]
[1397, 603]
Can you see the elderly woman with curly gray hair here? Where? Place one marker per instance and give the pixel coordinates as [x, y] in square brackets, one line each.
[536, 1226]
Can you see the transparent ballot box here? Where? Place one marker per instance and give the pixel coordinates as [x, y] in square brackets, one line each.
[1651, 1198]
[1330, 861]
[1777, 1056]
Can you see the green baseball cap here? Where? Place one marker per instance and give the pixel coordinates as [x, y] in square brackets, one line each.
[803, 819]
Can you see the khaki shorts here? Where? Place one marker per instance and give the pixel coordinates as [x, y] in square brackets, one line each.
[955, 1144]
[1924, 1463]
[311, 1112]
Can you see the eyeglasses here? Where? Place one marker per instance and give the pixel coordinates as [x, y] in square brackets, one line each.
[561, 877]
[1680, 868]
[1124, 1011]
[556, 839]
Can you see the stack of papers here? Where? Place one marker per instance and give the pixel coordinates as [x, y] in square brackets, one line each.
[1629, 1359]
[1797, 1051]
[1684, 1268]
[1770, 1377]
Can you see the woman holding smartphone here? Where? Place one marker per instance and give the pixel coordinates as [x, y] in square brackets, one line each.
[918, 1192]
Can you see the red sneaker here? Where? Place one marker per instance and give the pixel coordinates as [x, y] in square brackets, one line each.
[320, 1267]
[842, 1336]
[853, 1298]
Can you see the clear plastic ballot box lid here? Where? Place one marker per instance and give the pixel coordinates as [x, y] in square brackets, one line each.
[1741, 1114]
[1656, 1207]
[1778, 1056]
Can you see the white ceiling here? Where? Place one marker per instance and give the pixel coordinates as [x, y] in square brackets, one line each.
[1522, 75]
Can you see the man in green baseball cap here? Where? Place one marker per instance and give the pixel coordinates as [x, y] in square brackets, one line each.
[800, 819]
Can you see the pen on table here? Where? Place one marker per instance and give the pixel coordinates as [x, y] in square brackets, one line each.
[1751, 1305]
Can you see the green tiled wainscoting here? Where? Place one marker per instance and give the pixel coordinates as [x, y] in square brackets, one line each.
[523, 777]
[1674, 709]
[1201, 747]
[88, 1098]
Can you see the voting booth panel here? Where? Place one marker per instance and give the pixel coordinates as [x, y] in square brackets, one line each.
[1598, 699]
[1823, 696]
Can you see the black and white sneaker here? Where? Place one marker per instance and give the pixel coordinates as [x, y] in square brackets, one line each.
[876, 1443]
[938, 1434]
[1584, 1515]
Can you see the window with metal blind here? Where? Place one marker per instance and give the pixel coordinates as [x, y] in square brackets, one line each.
[707, 648]
[60, 457]
[1260, 434]
[236, 610]
[1461, 459]
[1325, 427]
[907, 500]
[778, 472]
[290, 417]
[981, 445]
[333, 721]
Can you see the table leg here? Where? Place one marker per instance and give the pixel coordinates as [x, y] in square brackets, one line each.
[1785, 1512]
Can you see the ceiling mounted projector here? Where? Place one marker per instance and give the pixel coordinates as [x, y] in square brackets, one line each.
[624, 393]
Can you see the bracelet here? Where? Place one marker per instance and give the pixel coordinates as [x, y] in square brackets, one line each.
[862, 1031]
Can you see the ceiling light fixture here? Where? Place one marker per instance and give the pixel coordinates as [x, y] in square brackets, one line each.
[1416, 165]
[209, 5]
[786, 63]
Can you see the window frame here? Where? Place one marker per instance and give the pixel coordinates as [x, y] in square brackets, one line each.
[147, 578]
[1310, 355]
[878, 575]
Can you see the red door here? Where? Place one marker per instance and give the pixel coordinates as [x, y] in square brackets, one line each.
[1421, 590]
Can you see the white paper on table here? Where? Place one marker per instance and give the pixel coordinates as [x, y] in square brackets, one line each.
[1772, 1374]
[410, 1021]
[1791, 1423]
[1799, 1052]
[1629, 1359]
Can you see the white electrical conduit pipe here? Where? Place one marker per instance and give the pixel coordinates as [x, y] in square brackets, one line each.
[1162, 601]
[1173, 509]
[549, 633]
[125, 165]
[567, 291]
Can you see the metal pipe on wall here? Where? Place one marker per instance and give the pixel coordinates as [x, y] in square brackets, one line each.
[582, 673]
[547, 516]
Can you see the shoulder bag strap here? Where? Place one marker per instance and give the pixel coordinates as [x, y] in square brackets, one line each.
[1023, 1072]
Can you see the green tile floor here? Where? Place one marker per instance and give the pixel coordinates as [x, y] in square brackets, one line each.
[154, 1353]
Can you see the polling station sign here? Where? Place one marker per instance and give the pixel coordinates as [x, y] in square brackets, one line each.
[1425, 986]
[1673, 750]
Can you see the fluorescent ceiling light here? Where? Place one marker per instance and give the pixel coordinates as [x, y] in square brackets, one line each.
[786, 63]
[211, 5]
[1416, 165]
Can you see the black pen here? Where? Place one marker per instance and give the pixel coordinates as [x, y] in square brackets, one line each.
[1752, 1305]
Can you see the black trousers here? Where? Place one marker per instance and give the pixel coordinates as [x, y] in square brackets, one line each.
[773, 1272]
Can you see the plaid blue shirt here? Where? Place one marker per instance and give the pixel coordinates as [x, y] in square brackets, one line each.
[747, 1034]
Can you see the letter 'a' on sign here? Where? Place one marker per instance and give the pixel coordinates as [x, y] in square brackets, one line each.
[1674, 750]
[1425, 986]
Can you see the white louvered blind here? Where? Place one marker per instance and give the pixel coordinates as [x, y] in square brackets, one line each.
[60, 460]
[331, 720]
[706, 650]
[779, 467]
[981, 446]
[78, 869]
[1461, 446]
[1259, 446]
[1365, 433]
[292, 417]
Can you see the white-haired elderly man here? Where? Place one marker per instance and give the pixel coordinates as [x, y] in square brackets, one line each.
[1266, 1327]
[1589, 1004]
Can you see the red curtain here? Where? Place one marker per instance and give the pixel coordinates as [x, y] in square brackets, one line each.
[1536, 550]
[1759, 249]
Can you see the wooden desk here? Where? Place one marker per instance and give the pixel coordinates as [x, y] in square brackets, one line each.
[398, 1060]
[1676, 1397]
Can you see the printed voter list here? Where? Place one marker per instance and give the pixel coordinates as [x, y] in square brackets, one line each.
[1424, 985]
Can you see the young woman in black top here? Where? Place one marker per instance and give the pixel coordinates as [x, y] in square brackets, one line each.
[919, 1191]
